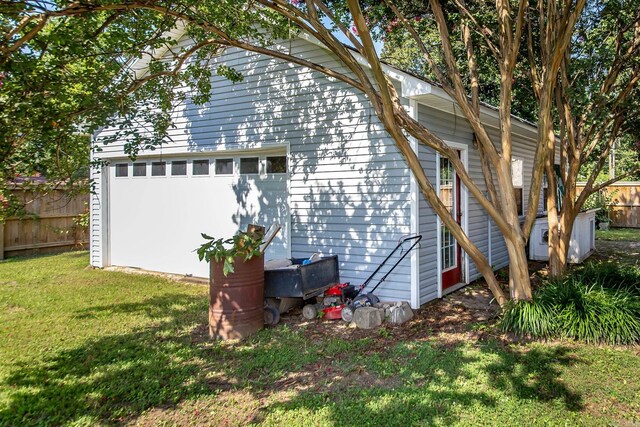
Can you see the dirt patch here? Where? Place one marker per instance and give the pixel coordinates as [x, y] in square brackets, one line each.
[231, 408]
[13, 309]
[462, 315]
[323, 377]
[627, 252]
[168, 276]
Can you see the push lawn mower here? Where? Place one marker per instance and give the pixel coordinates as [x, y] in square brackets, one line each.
[341, 301]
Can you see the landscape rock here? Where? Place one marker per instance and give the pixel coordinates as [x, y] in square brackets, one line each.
[368, 317]
[386, 306]
[400, 312]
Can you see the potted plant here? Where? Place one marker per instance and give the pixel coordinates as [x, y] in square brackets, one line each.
[601, 200]
[236, 284]
[602, 219]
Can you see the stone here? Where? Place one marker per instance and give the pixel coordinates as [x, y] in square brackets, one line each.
[400, 312]
[368, 317]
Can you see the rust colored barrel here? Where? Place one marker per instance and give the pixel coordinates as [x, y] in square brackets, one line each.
[236, 308]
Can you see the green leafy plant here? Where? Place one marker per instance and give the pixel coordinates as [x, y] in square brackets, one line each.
[596, 303]
[243, 245]
[601, 200]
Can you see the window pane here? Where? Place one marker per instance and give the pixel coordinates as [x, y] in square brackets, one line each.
[201, 167]
[447, 189]
[158, 169]
[179, 167]
[518, 195]
[224, 166]
[517, 172]
[139, 169]
[122, 169]
[448, 251]
[277, 164]
[249, 165]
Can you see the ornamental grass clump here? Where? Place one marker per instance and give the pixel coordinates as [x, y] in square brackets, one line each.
[595, 304]
[536, 318]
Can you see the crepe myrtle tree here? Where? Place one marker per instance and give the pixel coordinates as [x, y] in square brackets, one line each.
[255, 25]
[596, 102]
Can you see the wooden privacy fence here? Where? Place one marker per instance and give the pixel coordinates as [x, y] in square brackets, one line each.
[625, 209]
[53, 222]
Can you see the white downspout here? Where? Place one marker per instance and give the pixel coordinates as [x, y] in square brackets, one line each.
[415, 216]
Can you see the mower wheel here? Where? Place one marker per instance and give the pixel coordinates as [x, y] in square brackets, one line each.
[271, 315]
[309, 312]
[347, 313]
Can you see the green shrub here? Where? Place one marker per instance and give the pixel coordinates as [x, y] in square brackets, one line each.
[610, 275]
[596, 303]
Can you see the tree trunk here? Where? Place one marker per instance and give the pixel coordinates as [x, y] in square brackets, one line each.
[561, 223]
[519, 280]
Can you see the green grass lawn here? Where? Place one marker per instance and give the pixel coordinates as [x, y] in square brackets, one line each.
[619, 234]
[84, 347]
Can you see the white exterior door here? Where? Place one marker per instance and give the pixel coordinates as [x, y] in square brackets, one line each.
[157, 209]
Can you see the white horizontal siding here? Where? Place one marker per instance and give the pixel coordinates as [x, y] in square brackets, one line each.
[428, 258]
[348, 184]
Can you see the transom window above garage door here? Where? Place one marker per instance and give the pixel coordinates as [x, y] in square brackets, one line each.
[201, 167]
[249, 165]
[158, 168]
[179, 168]
[122, 169]
[140, 169]
[265, 164]
[224, 166]
[276, 164]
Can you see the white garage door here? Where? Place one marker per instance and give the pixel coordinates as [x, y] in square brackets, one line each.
[159, 208]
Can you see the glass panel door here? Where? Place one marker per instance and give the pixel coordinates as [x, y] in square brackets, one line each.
[448, 193]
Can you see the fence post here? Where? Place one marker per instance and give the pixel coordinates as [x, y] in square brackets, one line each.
[1, 240]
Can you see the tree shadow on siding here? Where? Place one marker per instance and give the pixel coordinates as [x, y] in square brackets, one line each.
[349, 185]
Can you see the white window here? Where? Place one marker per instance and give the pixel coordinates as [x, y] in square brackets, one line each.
[139, 169]
[224, 166]
[122, 170]
[249, 165]
[200, 167]
[277, 164]
[179, 168]
[517, 179]
[158, 168]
